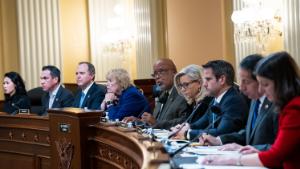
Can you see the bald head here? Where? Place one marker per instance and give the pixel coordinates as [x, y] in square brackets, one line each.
[167, 63]
[164, 72]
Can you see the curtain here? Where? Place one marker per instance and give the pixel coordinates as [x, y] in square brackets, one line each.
[125, 34]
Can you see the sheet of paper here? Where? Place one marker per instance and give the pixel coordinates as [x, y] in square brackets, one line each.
[198, 165]
[205, 150]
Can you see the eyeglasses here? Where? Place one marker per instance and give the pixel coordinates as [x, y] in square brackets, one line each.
[45, 78]
[185, 85]
[160, 73]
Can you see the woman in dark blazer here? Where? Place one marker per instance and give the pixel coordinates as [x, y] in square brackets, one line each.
[14, 93]
[122, 98]
[188, 83]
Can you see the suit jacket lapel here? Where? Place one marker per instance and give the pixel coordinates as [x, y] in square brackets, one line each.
[156, 110]
[88, 95]
[249, 122]
[262, 114]
[168, 103]
[56, 99]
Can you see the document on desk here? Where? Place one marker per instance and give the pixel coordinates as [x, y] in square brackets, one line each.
[198, 165]
[201, 151]
[205, 150]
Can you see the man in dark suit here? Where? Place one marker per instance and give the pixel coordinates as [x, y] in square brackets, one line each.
[262, 124]
[90, 95]
[218, 78]
[56, 96]
[170, 108]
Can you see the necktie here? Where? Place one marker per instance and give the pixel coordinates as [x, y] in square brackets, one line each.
[81, 99]
[213, 114]
[163, 97]
[255, 113]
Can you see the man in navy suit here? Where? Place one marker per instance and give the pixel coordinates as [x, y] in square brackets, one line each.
[262, 124]
[218, 78]
[56, 96]
[90, 95]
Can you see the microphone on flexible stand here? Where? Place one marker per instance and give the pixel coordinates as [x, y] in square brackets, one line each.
[205, 101]
[183, 124]
[16, 107]
[216, 110]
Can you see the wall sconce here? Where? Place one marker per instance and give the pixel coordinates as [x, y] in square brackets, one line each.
[257, 21]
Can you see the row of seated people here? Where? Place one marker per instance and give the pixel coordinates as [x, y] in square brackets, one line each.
[203, 103]
[266, 136]
[119, 97]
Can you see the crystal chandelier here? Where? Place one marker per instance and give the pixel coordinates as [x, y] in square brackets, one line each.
[257, 22]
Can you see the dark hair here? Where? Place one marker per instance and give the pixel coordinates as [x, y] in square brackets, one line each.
[249, 63]
[18, 81]
[286, 82]
[219, 68]
[54, 71]
[91, 68]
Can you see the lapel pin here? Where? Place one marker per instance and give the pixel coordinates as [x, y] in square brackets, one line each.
[56, 99]
[266, 106]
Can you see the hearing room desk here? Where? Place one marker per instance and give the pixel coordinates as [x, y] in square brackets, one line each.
[73, 138]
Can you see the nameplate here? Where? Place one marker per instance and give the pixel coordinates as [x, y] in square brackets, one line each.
[23, 111]
[124, 125]
[103, 120]
[65, 128]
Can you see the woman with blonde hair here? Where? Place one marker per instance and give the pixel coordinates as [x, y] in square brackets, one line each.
[122, 98]
[189, 84]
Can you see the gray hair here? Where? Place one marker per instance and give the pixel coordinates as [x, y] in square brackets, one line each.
[121, 76]
[194, 72]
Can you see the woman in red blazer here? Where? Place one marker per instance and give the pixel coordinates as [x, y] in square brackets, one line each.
[278, 77]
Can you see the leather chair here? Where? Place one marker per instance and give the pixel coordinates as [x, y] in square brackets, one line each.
[35, 96]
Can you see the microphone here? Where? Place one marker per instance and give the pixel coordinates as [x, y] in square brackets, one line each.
[156, 91]
[15, 105]
[205, 101]
[216, 110]
[18, 106]
[190, 116]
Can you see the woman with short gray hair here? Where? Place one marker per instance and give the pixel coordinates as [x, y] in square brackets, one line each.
[122, 98]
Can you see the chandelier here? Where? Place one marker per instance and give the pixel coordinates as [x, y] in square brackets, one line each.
[257, 22]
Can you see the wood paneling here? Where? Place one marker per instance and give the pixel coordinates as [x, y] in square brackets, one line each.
[73, 138]
[24, 142]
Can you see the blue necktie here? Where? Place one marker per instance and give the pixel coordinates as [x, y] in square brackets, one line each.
[255, 113]
[81, 99]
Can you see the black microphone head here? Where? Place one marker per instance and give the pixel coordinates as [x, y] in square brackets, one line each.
[156, 90]
[216, 110]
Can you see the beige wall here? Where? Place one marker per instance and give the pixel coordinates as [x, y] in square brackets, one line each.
[9, 52]
[74, 36]
[196, 31]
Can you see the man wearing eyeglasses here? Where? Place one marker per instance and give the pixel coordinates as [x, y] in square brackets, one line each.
[218, 78]
[170, 107]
